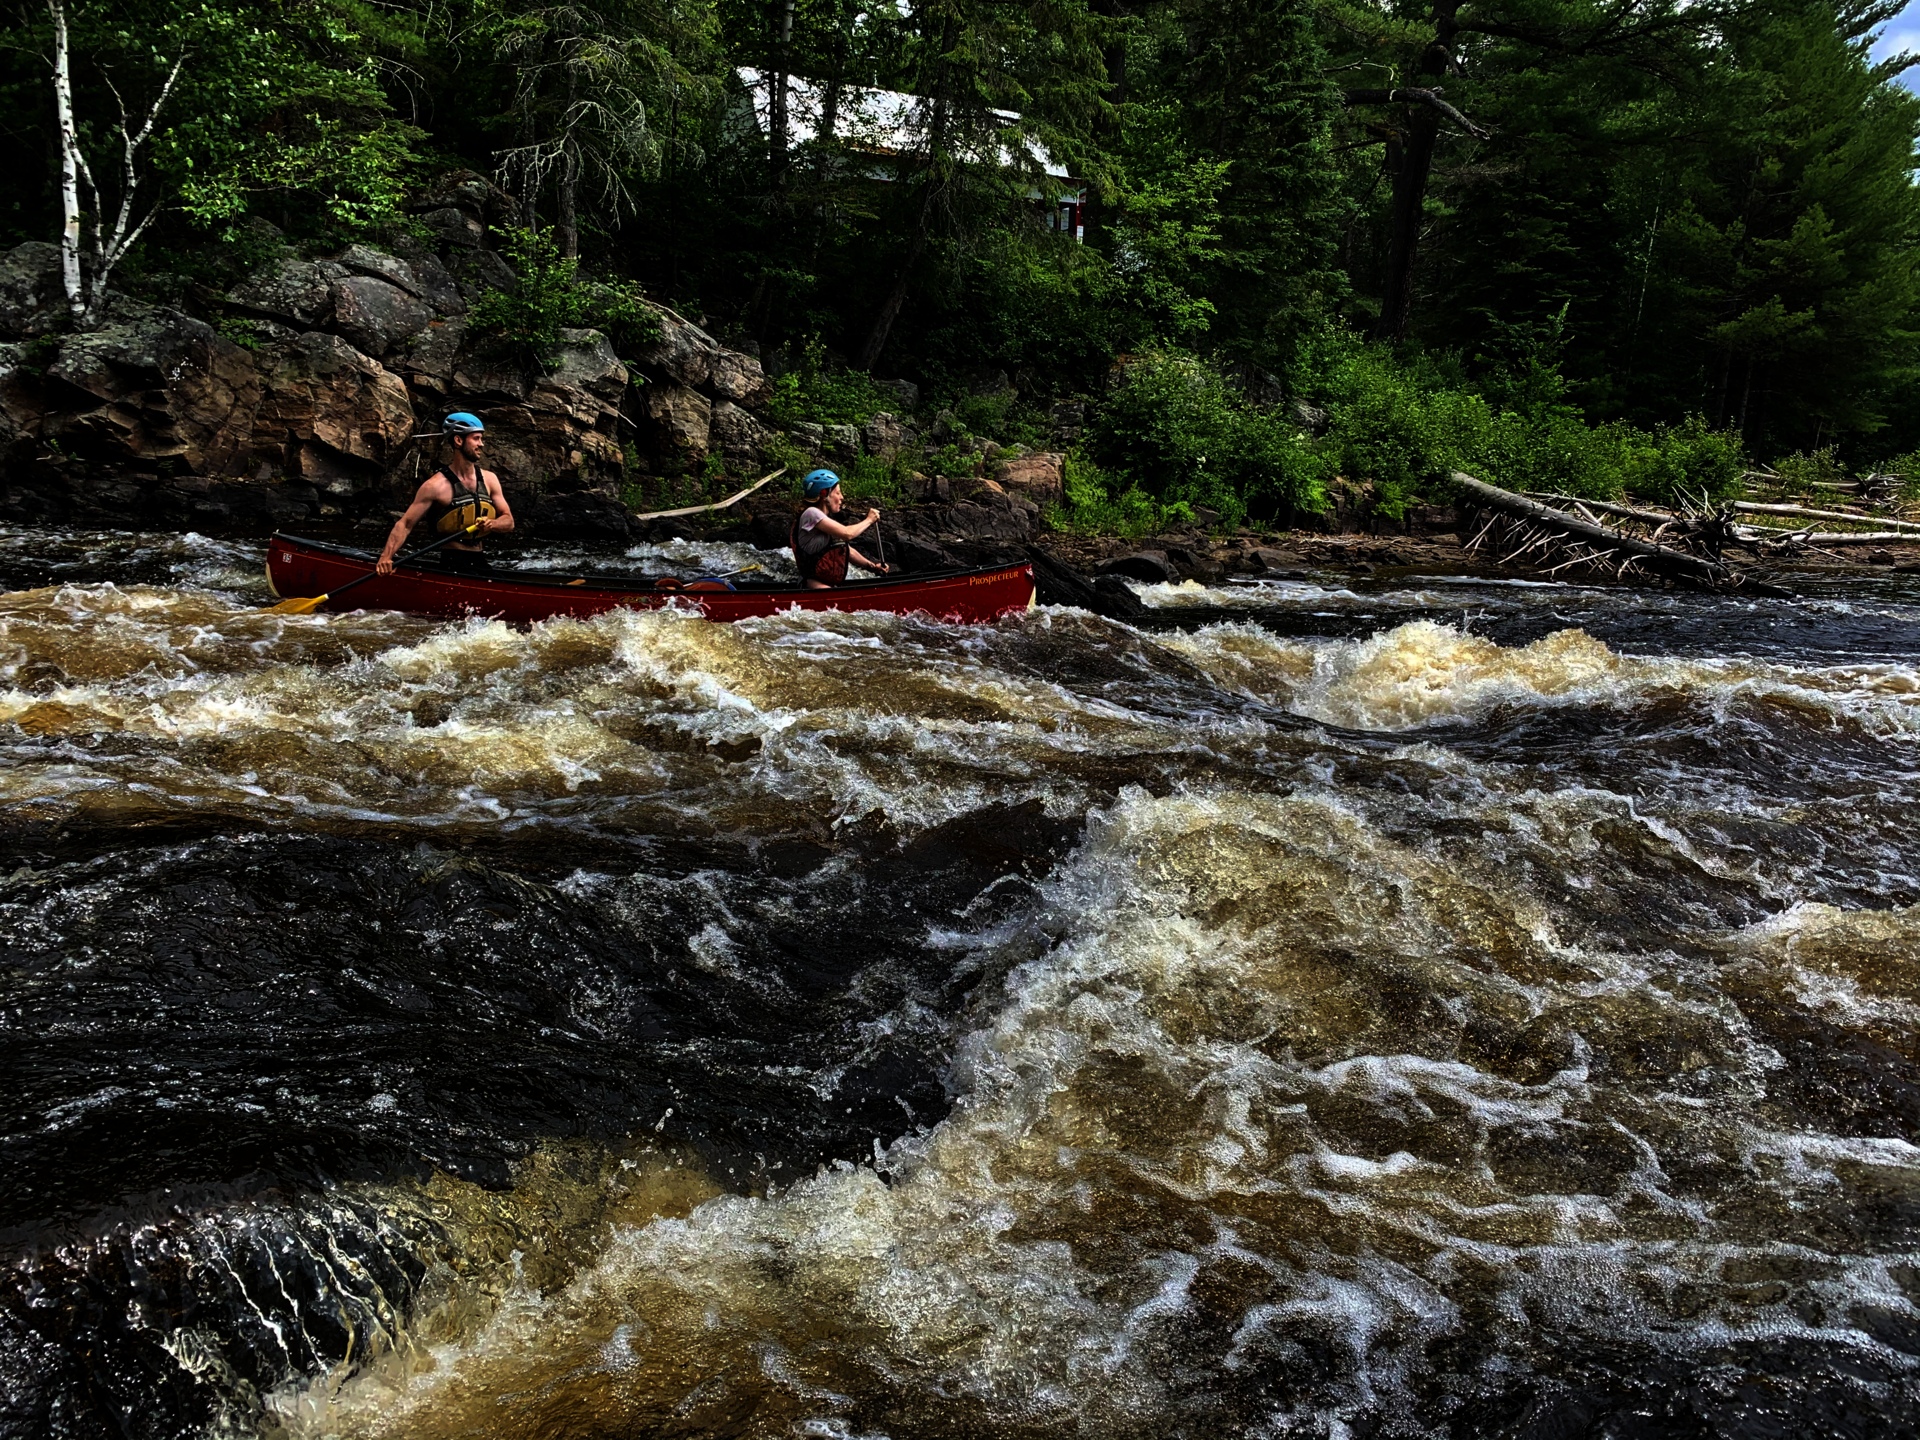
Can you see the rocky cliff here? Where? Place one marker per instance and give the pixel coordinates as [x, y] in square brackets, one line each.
[304, 392]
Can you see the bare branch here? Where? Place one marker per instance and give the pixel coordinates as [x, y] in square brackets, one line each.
[1413, 95]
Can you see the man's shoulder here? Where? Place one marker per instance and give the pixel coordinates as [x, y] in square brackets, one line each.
[435, 486]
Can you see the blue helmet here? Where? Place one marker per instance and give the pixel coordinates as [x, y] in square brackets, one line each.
[818, 483]
[462, 422]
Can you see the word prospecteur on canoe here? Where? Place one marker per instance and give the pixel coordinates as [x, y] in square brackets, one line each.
[820, 542]
[454, 498]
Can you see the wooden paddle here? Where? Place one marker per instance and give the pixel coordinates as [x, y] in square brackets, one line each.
[312, 603]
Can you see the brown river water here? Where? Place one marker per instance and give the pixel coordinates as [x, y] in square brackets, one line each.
[1410, 1007]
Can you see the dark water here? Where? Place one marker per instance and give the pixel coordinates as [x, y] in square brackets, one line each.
[1434, 1009]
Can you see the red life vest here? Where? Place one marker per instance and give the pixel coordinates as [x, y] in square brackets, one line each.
[817, 556]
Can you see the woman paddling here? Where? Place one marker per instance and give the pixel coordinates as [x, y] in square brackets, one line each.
[820, 543]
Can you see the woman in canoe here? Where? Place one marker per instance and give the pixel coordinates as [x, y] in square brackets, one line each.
[821, 544]
[453, 498]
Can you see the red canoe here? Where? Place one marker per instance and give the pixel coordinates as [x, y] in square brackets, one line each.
[297, 567]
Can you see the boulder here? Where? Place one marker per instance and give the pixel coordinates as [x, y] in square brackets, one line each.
[435, 284]
[884, 435]
[736, 377]
[1150, 566]
[736, 434]
[1040, 477]
[421, 275]
[452, 226]
[365, 260]
[684, 352]
[682, 420]
[33, 301]
[577, 515]
[842, 441]
[375, 314]
[480, 272]
[567, 429]
[299, 292]
[152, 385]
[908, 392]
[485, 374]
[908, 553]
[466, 190]
[329, 414]
[428, 360]
[586, 362]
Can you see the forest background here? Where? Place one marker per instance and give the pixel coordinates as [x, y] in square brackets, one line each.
[1598, 246]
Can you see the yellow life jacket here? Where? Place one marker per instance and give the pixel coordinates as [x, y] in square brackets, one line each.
[469, 504]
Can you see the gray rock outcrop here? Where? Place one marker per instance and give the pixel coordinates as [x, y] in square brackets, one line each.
[32, 302]
[340, 363]
[376, 314]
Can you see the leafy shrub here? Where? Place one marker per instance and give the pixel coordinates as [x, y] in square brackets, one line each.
[551, 296]
[1807, 472]
[1403, 427]
[815, 393]
[868, 477]
[1173, 428]
[1096, 504]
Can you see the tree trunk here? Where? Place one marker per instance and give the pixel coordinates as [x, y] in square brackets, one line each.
[1097, 220]
[922, 232]
[69, 168]
[896, 299]
[777, 98]
[567, 180]
[1410, 183]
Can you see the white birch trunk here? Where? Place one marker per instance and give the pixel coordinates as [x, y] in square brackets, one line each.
[69, 167]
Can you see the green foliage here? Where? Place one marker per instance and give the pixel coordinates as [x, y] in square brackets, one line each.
[283, 103]
[1097, 503]
[868, 477]
[1404, 428]
[551, 296]
[814, 392]
[1174, 429]
[241, 331]
[1810, 472]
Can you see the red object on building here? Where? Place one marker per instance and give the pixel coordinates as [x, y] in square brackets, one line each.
[297, 567]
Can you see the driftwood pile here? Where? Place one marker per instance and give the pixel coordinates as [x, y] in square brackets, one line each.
[1597, 539]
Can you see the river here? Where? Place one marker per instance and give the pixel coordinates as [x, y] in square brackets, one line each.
[1412, 1006]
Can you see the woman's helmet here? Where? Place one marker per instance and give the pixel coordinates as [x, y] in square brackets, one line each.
[462, 422]
[818, 483]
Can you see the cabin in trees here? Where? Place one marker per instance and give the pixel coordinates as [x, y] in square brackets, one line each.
[878, 132]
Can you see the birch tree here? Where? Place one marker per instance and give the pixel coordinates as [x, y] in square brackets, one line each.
[92, 243]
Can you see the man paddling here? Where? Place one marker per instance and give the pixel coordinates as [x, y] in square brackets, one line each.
[453, 498]
[820, 543]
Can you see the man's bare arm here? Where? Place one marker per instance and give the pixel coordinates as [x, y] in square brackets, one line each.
[402, 528]
[502, 522]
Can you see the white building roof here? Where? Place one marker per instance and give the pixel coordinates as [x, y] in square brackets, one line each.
[886, 121]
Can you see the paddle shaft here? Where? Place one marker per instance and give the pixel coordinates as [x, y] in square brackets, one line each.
[374, 574]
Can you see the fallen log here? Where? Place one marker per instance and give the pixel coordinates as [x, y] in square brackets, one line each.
[1752, 533]
[1608, 507]
[1577, 544]
[732, 499]
[1802, 512]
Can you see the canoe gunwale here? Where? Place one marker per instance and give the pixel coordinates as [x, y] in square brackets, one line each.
[297, 565]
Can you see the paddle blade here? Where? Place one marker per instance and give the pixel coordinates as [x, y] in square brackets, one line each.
[304, 606]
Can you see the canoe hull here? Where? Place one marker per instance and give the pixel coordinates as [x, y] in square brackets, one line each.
[297, 566]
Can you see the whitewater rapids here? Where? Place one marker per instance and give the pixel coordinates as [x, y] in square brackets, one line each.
[1429, 1009]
